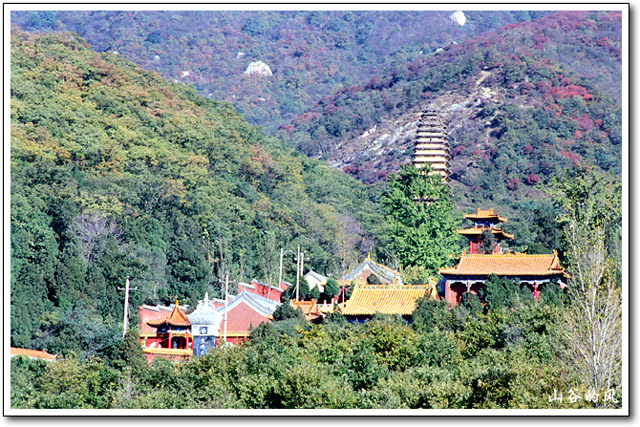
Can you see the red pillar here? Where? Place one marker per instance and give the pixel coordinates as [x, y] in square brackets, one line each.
[447, 293]
[535, 289]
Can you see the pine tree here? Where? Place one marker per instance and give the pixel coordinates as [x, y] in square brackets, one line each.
[420, 227]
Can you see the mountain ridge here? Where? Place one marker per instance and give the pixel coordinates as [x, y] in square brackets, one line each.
[311, 53]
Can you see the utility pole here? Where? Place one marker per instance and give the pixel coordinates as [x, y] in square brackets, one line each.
[125, 322]
[279, 273]
[298, 275]
[226, 306]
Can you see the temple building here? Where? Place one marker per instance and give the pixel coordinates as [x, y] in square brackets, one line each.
[172, 338]
[263, 289]
[313, 312]
[484, 220]
[368, 267]
[316, 279]
[205, 326]
[367, 300]
[242, 313]
[432, 145]
[473, 269]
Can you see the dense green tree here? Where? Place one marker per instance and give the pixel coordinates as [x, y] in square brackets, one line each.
[502, 292]
[420, 222]
[372, 279]
[416, 275]
[285, 311]
[314, 293]
[331, 288]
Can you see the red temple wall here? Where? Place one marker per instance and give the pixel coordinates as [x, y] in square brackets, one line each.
[146, 315]
[259, 289]
[241, 317]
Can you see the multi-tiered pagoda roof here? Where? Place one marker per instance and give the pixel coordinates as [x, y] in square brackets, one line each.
[432, 145]
[484, 220]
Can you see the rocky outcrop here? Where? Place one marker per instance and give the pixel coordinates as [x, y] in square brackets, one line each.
[259, 68]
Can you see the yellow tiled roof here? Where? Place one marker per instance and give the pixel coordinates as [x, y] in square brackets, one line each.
[485, 214]
[41, 354]
[168, 351]
[369, 300]
[506, 265]
[479, 230]
[175, 318]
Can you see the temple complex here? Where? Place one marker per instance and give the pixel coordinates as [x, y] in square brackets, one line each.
[432, 144]
[473, 269]
[170, 333]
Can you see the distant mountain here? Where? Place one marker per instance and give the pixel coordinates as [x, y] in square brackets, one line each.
[311, 54]
[116, 172]
[522, 104]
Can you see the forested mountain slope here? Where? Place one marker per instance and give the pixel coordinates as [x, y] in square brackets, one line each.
[115, 173]
[311, 54]
[522, 104]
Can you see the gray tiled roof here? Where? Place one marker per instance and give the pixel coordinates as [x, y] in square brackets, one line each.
[259, 303]
[384, 273]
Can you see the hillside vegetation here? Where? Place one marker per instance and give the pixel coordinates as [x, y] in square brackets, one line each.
[311, 54]
[115, 173]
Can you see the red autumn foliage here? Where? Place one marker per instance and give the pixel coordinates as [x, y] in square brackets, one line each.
[532, 179]
[585, 123]
[526, 87]
[287, 128]
[575, 159]
[513, 184]
[560, 92]
[306, 117]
